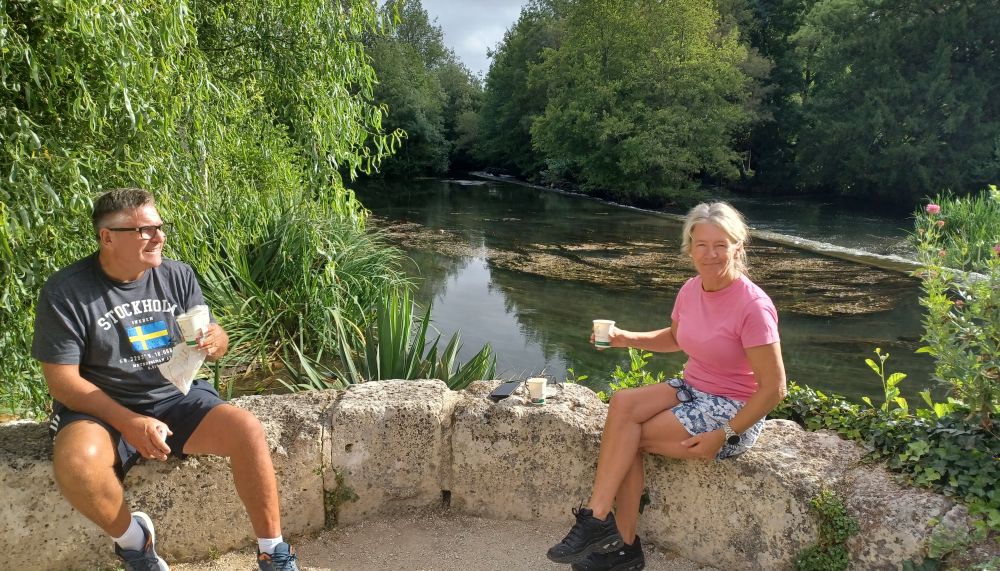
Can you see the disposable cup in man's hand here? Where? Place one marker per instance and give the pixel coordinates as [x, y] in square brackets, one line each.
[194, 323]
[602, 332]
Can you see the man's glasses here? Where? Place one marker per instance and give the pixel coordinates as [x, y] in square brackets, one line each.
[683, 393]
[147, 232]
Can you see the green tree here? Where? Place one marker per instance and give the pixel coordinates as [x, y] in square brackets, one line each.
[510, 104]
[426, 91]
[643, 98]
[463, 97]
[904, 97]
[767, 27]
[414, 101]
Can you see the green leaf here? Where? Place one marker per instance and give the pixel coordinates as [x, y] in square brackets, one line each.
[873, 366]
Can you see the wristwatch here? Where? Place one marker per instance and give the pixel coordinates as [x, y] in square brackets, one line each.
[732, 438]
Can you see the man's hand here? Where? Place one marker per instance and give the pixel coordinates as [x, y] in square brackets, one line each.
[148, 435]
[214, 342]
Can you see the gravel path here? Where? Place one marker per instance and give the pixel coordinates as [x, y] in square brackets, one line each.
[435, 542]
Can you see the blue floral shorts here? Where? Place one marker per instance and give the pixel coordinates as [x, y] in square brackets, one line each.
[707, 412]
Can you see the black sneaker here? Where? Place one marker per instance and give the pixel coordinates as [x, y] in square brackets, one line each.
[625, 558]
[588, 535]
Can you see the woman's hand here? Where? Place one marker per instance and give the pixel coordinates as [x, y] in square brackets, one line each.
[616, 338]
[707, 444]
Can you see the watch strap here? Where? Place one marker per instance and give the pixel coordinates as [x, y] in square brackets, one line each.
[732, 437]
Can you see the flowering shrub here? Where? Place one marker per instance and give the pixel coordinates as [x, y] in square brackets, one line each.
[958, 240]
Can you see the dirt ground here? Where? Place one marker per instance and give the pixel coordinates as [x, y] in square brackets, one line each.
[435, 542]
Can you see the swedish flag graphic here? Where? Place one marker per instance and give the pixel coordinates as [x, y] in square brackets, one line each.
[149, 336]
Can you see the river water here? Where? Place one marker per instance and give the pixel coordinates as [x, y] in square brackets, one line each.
[527, 269]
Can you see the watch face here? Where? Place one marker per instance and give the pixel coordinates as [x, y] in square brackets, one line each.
[733, 440]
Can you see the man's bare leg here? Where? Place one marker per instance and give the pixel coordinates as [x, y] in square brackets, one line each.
[235, 433]
[83, 460]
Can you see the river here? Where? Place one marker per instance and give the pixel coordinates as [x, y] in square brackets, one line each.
[527, 269]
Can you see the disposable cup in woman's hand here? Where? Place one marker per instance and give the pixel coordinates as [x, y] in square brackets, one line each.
[602, 333]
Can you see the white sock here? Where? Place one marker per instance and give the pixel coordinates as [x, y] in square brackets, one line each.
[267, 545]
[134, 537]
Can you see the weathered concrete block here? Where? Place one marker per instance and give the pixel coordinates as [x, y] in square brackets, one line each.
[748, 512]
[389, 447]
[36, 519]
[398, 445]
[512, 460]
[192, 502]
[895, 520]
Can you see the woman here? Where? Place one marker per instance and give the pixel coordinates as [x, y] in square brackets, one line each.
[734, 376]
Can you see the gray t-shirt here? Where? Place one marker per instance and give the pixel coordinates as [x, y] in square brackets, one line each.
[117, 332]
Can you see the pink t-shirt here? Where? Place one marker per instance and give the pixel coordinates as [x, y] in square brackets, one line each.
[716, 327]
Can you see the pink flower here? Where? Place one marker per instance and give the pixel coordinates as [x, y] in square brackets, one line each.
[933, 208]
[997, 249]
[942, 253]
[940, 223]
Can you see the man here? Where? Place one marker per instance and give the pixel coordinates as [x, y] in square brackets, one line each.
[103, 324]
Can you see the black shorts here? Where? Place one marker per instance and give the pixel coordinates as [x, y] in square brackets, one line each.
[182, 413]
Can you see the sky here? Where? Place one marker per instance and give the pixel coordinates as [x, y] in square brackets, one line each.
[472, 26]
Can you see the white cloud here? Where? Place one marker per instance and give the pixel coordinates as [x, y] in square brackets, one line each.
[471, 27]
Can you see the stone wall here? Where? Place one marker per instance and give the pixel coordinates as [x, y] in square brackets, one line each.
[389, 446]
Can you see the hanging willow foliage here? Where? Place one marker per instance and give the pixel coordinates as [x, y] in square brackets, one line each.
[234, 113]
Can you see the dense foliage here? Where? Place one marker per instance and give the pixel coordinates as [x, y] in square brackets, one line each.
[904, 99]
[641, 97]
[888, 100]
[636, 376]
[397, 346]
[829, 553]
[510, 103]
[637, 101]
[240, 116]
[429, 95]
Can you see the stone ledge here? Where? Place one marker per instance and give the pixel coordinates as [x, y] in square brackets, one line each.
[390, 446]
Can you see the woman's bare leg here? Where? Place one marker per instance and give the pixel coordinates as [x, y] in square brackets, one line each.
[660, 435]
[628, 498]
[620, 442]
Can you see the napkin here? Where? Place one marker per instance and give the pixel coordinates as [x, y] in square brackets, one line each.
[183, 366]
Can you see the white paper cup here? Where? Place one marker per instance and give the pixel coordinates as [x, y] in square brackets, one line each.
[602, 328]
[536, 390]
[193, 323]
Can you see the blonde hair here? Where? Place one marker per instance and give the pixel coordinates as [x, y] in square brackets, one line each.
[725, 218]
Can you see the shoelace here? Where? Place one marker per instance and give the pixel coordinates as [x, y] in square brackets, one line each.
[577, 530]
[147, 562]
[281, 561]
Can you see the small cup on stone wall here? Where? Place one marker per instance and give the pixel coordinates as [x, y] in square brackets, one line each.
[536, 390]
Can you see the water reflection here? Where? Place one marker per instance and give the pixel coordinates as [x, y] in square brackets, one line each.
[526, 270]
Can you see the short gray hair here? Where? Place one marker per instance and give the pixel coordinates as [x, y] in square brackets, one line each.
[118, 200]
[725, 218]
